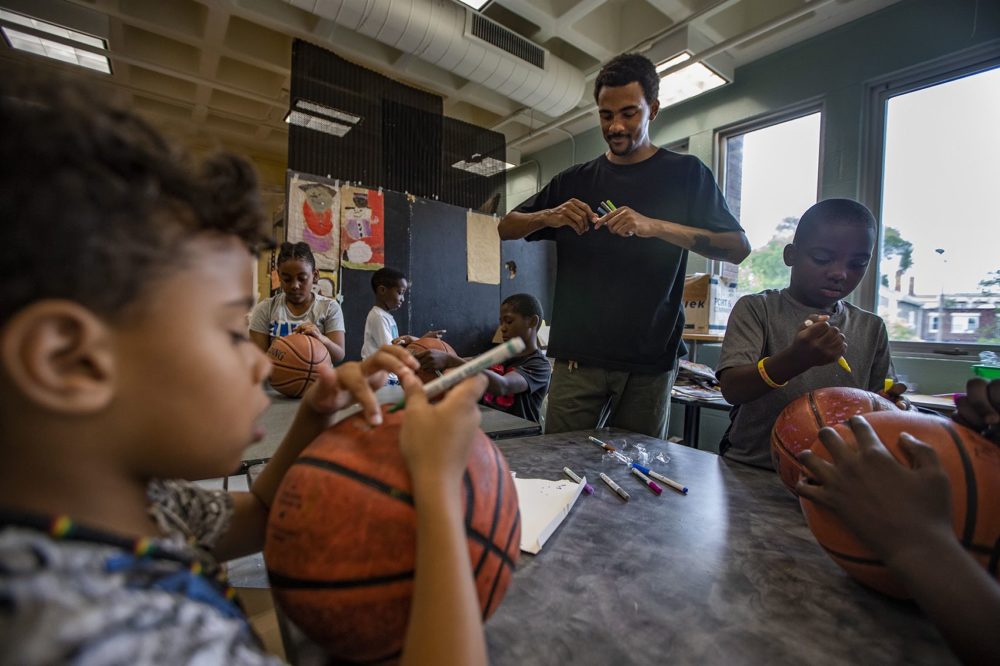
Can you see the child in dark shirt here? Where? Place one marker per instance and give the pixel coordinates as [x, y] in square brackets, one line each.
[518, 385]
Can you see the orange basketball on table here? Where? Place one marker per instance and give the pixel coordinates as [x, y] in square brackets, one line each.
[797, 426]
[972, 464]
[294, 359]
[429, 343]
[341, 537]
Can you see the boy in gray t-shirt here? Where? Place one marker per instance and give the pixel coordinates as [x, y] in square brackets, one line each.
[770, 355]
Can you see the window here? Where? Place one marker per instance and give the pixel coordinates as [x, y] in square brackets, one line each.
[939, 175]
[964, 323]
[770, 176]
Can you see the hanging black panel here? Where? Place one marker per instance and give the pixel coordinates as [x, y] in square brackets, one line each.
[403, 142]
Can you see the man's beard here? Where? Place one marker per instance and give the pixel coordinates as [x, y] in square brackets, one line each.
[624, 151]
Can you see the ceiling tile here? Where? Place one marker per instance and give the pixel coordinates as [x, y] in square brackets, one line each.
[259, 42]
[250, 78]
[183, 16]
[150, 47]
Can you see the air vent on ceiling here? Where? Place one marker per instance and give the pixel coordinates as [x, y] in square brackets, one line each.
[501, 37]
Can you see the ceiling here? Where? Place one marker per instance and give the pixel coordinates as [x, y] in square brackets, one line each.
[216, 72]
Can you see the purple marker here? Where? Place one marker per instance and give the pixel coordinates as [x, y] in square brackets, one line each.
[645, 479]
[587, 488]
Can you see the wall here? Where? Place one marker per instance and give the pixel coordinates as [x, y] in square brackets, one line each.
[834, 69]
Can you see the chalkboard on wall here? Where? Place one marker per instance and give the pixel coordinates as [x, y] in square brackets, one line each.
[441, 295]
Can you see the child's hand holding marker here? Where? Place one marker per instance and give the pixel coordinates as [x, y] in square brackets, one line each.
[841, 361]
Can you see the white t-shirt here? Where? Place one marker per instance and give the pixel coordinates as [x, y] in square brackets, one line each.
[380, 329]
[272, 316]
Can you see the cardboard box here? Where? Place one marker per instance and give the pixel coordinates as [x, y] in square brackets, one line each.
[708, 300]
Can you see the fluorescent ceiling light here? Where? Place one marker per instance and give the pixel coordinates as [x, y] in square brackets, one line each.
[475, 4]
[31, 43]
[483, 166]
[316, 123]
[686, 82]
[329, 111]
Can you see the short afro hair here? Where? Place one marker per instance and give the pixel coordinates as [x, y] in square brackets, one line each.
[833, 211]
[525, 305]
[386, 277]
[624, 69]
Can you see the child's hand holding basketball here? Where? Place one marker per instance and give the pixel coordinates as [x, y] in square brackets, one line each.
[979, 409]
[356, 382]
[892, 509]
[436, 439]
[309, 328]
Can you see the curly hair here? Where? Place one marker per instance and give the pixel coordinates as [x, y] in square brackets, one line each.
[96, 204]
[624, 69]
[298, 250]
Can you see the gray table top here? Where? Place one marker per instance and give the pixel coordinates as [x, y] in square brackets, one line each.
[726, 574]
[278, 417]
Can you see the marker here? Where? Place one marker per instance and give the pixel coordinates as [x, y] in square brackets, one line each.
[645, 479]
[611, 205]
[614, 486]
[603, 445]
[659, 477]
[602, 210]
[496, 355]
[587, 488]
[842, 362]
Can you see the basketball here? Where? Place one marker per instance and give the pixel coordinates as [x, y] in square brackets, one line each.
[972, 464]
[341, 537]
[294, 359]
[797, 426]
[429, 343]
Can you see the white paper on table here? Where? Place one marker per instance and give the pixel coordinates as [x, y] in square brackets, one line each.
[543, 505]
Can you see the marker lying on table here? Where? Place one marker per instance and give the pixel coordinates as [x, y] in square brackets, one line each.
[603, 445]
[587, 488]
[842, 362]
[659, 477]
[645, 479]
[496, 355]
[614, 486]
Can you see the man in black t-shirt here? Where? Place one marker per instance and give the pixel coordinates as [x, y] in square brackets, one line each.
[617, 318]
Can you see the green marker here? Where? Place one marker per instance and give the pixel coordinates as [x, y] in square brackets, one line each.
[611, 205]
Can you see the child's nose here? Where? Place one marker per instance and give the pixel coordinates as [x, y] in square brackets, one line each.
[261, 365]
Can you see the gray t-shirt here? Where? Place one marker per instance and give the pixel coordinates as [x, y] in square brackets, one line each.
[766, 323]
[273, 317]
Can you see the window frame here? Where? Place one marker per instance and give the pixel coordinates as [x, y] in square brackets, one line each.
[878, 92]
[761, 121]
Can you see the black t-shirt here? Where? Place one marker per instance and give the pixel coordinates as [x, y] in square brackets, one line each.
[618, 300]
[536, 370]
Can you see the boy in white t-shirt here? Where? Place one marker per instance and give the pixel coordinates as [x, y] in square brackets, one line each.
[390, 287]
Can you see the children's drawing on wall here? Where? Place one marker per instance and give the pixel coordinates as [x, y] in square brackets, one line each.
[314, 217]
[326, 285]
[362, 220]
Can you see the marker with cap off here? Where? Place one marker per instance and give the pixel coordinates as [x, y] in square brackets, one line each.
[614, 486]
[659, 477]
[587, 488]
[842, 362]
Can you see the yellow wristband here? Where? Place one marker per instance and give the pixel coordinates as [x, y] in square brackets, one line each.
[763, 374]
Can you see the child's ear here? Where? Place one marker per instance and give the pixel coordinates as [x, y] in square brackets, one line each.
[789, 254]
[535, 322]
[59, 355]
